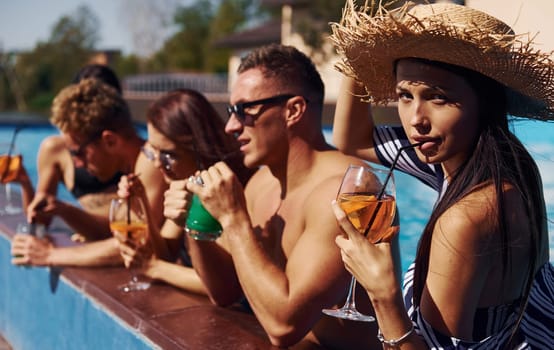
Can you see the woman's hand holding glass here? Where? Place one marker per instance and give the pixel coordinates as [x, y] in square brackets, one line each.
[371, 264]
[366, 201]
[129, 225]
[136, 256]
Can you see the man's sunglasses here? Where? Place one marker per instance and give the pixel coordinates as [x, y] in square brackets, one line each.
[80, 152]
[248, 119]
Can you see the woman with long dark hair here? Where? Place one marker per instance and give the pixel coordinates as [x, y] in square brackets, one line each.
[185, 134]
[481, 277]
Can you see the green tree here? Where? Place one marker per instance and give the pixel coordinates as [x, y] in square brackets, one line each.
[230, 16]
[315, 21]
[185, 49]
[51, 65]
[200, 25]
[128, 65]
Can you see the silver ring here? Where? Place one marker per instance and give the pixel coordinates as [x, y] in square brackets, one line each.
[196, 179]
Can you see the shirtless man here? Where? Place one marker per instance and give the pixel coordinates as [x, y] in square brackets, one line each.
[97, 129]
[278, 243]
[55, 164]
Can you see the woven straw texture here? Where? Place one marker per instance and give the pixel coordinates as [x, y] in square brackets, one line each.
[447, 33]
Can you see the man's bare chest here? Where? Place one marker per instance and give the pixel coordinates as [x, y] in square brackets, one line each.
[278, 225]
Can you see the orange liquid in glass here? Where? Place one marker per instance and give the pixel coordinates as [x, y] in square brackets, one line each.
[135, 232]
[9, 167]
[360, 208]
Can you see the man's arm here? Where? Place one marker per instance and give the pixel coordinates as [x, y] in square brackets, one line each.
[91, 226]
[215, 266]
[49, 173]
[31, 250]
[287, 297]
[210, 260]
[288, 300]
[49, 164]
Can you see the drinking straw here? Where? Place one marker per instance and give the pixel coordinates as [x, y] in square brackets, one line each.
[382, 191]
[129, 206]
[128, 210]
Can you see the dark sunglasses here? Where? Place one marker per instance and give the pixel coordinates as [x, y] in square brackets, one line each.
[248, 119]
[80, 152]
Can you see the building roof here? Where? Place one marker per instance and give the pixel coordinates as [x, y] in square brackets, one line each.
[267, 33]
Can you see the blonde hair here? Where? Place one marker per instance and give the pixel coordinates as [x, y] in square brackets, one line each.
[89, 107]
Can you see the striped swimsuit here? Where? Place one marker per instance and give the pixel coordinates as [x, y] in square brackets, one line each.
[492, 325]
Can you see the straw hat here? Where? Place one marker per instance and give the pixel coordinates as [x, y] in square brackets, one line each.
[448, 33]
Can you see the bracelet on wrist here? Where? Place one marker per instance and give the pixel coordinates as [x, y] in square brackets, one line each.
[394, 342]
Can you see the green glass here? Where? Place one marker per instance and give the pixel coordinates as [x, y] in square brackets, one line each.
[201, 225]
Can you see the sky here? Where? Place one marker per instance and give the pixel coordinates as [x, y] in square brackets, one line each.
[23, 23]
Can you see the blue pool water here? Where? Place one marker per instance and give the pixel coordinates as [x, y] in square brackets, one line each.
[414, 199]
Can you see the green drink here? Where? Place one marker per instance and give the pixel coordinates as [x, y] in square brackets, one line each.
[201, 225]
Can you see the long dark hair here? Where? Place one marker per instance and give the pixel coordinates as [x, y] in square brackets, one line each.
[185, 113]
[498, 157]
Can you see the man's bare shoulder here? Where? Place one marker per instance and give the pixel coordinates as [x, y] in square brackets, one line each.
[54, 153]
[334, 163]
[53, 147]
[326, 175]
[54, 142]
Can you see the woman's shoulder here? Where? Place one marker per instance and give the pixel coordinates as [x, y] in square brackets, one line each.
[469, 220]
[481, 201]
[474, 219]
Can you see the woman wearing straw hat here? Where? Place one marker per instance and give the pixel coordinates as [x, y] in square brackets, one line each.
[481, 277]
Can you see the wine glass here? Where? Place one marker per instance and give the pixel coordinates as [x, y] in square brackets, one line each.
[128, 224]
[10, 164]
[367, 196]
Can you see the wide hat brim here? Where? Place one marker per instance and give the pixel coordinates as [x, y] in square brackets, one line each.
[449, 33]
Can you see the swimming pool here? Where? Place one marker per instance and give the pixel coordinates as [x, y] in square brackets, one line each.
[414, 199]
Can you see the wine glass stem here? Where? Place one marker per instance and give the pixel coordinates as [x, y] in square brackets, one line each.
[134, 275]
[8, 193]
[351, 297]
